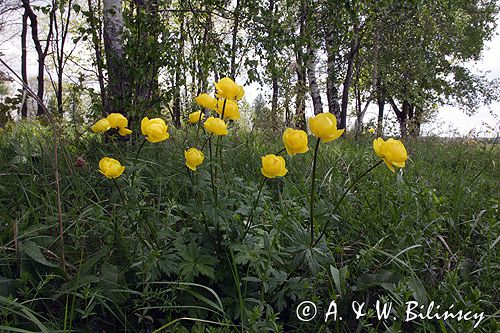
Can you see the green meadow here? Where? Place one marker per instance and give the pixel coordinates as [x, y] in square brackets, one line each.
[156, 250]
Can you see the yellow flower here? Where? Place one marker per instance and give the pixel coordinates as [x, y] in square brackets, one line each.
[206, 101]
[117, 120]
[371, 130]
[102, 125]
[324, 126]
[110, 167]
[216, 126]
[295, 141]
[154, 129]
[273, 166]
[228, 89]
[230, 111]
[195, 117]
[393, 152]
[194, 158]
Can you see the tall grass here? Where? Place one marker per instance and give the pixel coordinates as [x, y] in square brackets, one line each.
[165, 257]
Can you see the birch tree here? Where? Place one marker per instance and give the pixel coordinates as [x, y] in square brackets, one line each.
[114, 50]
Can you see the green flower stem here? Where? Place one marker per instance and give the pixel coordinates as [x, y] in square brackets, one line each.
[119, 191]
[191, 177]
[115, 222]
[223, 108]
[115, 146]
[135, 160]
[205, 142]
[218, 150]
[250, 219]
[281, 151]
[214, 189]
[198, 128]
[313, 183]
[343, 197]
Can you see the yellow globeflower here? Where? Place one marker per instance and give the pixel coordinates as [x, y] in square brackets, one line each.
[295, 141]
[154, 129]
[206, 101]
[216, 126]
[371, 130]
[195, 117]
[393, 152]
[110, 167]
[228, 89]
[117, 120]
[273, 166]
[102, 125]
[230, 111]
[324, 126]
[194, 158]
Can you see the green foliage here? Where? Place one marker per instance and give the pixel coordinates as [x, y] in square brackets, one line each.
[168, 258]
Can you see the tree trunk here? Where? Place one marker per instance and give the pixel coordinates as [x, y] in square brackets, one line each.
[177, 95]
[300, 121]
[147, 79]
[234, 45]
[114, 50]
[313, 84]
[332, 93]
[60, 54]
[414, 120]
[288, 113]
[402, 116]
[300, 103]
[41, 52]
[360, 114]
[24, 61]
[97, 42]
[348, 78]
[204, 67]
[274, 103]
[380, 117]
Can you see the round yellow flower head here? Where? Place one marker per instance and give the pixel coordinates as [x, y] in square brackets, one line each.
[273, 166]
[371, 130]
[117, 120]
[230, 111]
[295, 141]
[102, 125]
[206, 101]
[195, 117]
[324, 126]
[228, 89]
[110, 167]
[194, 158]
[216, 126]
[154, 129]
[393, 152]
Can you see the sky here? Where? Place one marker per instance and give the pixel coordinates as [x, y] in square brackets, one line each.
[450, 121]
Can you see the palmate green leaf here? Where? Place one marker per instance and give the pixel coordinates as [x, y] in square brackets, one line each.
[195, 263]
[168, 262]
[315, 257]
